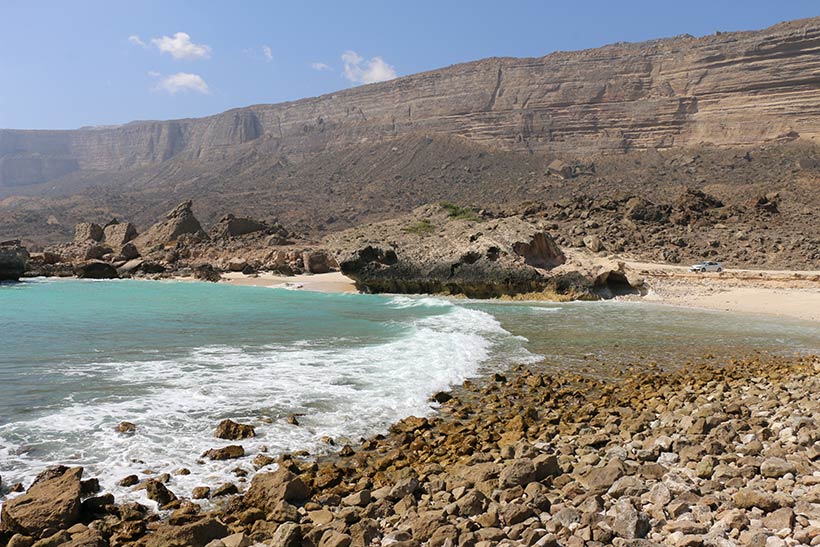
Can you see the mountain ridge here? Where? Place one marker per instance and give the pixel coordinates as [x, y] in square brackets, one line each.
[304, 159]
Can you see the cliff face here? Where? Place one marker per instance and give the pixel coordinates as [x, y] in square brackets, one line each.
[732, 89]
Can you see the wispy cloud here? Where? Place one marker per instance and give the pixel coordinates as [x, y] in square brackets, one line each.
[319, 66]
[136, 40]
[361, 71]
[268, 53]
[180, 46]
[182, 82]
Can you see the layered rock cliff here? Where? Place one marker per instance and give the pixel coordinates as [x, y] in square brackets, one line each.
[728, 89]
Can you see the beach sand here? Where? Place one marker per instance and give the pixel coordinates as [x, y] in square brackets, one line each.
[327, 282]
[779, 293]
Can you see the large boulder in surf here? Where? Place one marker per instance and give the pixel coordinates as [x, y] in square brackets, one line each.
[449, 249]
[179, 222]
[229, 429]
[13, 260]
[52, 503]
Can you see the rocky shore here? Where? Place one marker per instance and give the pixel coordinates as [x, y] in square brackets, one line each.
[716, 454]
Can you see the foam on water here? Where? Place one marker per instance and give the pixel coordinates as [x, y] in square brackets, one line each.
[343, 389]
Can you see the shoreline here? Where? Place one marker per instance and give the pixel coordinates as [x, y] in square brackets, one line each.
[529, 458]
[793, 295]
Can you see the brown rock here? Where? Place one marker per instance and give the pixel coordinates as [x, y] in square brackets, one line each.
[87, 231]
[268, 489]
[52, 503]
[225, 453]
[228, 429]
[195, 534]
[117, 235]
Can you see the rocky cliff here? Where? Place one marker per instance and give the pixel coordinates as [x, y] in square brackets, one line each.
[728, 89]
[734, 114]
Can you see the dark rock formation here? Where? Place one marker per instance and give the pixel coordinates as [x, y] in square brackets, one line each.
[228, 429]
[13, 260]
[95, 269]
[436, 251]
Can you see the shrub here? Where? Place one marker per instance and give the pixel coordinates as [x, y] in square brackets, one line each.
[420, 228]
[460, 213]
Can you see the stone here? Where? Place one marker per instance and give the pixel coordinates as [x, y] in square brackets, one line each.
[237, 540]
[96, 269]
[518, 472]
[130, 480]
[228, 429]
[747, 498]
[600, 479]
[317, 262]
[117, 235]
[232, 226]
[201, 493]
[225, 453]
[179, 222]
[268, 489]
[206, 272]
[227, 489]
[776, 468]
[13, 260]
[51, 503]
[87, 231]
[158, 492]
[129, 251]
[627, 522]
[126, 427]
[237, 264]
[288, 534]
[779, 519]
[195, 534]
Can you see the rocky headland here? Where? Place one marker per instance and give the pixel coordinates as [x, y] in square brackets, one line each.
[713, 454]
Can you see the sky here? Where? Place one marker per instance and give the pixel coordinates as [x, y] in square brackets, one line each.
[68, 64]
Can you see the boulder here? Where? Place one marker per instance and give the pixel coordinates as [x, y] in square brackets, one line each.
[195, 534]
[232, 226]
[87, 231]
[13, 260]
[96, 252]
[179, 222]
[129, 251]
[228, 429]
[229, 452]
[119, 234]
[268, 489]
[95, 269]
[560, 168]
[206, 272]
[237, 264]
[52, 503]
[317, 262]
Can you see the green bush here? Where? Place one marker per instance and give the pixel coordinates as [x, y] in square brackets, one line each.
[420, 228]
[460, 213]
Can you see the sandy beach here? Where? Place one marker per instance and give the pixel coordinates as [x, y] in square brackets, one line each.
[328, 282]
[780, 293]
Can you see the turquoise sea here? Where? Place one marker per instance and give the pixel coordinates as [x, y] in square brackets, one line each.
[77, 357]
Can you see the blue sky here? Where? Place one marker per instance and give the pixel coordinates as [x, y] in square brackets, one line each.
[66, 64]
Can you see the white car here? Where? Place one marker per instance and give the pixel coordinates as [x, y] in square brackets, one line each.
[703, 267]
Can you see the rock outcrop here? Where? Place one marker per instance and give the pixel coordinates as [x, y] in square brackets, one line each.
[179, 222]
[13, 260]
[447, 249]
[118, 234]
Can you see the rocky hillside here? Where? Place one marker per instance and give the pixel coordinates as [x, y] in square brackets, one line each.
[477, 133]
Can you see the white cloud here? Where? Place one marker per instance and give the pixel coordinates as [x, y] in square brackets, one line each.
[154, 74]
[319, 66]
[182, 82]
[360, 71]
[268, 53]
[180, 46]
[136, 40]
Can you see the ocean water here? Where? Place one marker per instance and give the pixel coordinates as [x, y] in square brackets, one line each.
[78, 357]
